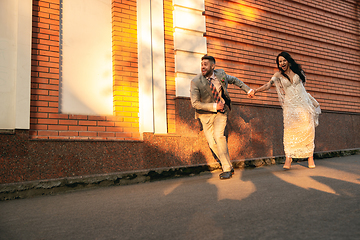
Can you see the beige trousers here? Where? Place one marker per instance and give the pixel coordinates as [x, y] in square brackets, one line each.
[214, 127]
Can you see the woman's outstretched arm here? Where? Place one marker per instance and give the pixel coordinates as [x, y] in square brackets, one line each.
[267, 85]
[264, 87]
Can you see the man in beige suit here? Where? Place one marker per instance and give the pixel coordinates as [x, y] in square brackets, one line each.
[211, 100]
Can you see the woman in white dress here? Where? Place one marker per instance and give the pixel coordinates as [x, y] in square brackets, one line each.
[300, 109]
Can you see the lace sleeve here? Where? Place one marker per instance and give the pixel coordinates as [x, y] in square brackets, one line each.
[303, 73]
[317, 109]
[279, 89]
[272, 80]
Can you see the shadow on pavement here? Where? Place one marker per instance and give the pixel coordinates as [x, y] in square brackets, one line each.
[262, 203]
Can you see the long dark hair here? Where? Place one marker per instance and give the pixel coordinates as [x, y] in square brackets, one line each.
[295, 67]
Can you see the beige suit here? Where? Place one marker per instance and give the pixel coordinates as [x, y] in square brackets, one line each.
[214, 122]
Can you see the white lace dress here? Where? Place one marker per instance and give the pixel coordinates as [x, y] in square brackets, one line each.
[301, 113]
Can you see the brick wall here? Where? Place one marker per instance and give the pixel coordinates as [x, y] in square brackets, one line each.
[125, 61]
[246, 36]
[46, 120]
[169, 65]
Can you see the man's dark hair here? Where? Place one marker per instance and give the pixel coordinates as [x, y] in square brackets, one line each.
[210, 58]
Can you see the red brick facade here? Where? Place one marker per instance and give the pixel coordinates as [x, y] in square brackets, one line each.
[244, 37]
[46, 120]
[125, 61]
[169, 65]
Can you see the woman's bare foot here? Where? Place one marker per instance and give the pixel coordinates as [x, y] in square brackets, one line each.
[311, 163]
[287, 164]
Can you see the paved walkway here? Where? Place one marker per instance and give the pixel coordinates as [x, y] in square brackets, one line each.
[261, 203]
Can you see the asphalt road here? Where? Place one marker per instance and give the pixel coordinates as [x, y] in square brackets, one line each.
[261, 203]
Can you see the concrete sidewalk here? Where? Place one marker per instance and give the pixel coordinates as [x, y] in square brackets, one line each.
[19, 190]
[260, 203]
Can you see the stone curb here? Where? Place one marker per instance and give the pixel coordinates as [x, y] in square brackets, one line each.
[55, 186]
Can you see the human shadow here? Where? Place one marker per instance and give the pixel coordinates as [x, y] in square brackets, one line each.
[264, 203]
[257, 204]
[260, 203]
[279, 209]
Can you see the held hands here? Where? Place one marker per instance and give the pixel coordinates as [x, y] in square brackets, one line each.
[251, 93]
[220, 105]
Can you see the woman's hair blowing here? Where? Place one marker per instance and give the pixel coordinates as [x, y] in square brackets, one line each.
[296, 68]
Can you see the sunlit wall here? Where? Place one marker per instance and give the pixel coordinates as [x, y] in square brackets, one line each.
[86, 57]
[152, 92]
[15, 63]
[189, 42]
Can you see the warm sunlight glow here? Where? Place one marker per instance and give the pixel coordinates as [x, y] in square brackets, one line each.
[235, 191]
[145, 37]
[238, 191]
[249, 13]
[189, 19]
[305, 179]
[86, 70]
[171, 188]
[240, 13]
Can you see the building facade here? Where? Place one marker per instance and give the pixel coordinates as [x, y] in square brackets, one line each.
[102, 86]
